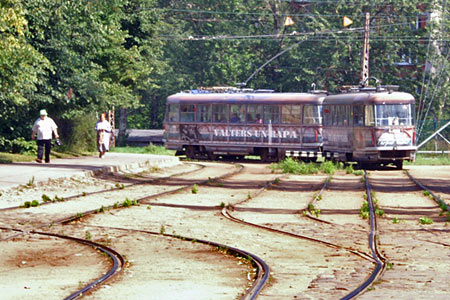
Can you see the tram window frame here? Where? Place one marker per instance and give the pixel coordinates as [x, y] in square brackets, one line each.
[173, 112]
[187, 113]
[220, 115]
[237, 113]
[369, 115]
[345, 112]
[271, 114]
[203, 113]
[349, 115]
[334, 113]
[316, 117]
[327, 115]
[391, 114]
[254, 113]
[340, 115]
[289, 116]
[358, 115]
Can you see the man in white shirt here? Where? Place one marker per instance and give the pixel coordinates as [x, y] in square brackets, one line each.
[44, 127]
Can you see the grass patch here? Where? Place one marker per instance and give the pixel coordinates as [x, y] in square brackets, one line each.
[430, 159]
[425, 220]
[150, 149]
[7, 158]
[292, 166]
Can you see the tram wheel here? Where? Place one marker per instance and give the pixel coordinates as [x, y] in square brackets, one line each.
[266, 157]
[190, 152]
[212, 156]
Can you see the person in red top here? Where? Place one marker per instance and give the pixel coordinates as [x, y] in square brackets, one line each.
[44, 127]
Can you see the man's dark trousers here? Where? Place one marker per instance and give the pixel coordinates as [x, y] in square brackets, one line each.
[47, 144]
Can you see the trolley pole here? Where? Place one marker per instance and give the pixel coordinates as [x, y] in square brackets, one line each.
[365, 54]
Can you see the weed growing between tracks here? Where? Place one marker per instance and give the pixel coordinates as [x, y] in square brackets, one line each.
[292, 166]
[425, 220]
[349, 170]
[30, 183]
[128, 203]
[28, 204]
[314, 211]
[364, 212]
[396, 220]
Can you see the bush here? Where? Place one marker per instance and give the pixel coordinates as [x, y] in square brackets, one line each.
[18, 145]
[83, 136]
[291, 166]
[328, 167]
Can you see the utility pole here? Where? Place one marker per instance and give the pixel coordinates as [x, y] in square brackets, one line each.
[365, 54]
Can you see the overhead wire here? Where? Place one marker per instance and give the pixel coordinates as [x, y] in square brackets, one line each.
[363, 3]
[440, 77]
[422, 115]
[421, 99]
[281, 35]
[424, 94]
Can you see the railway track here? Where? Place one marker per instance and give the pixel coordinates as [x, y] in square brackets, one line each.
[116, 258]
[239, 194]
[411, 245]
[258, 188]
[374, 258]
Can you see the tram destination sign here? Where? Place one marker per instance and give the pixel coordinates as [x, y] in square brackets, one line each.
[257, 133]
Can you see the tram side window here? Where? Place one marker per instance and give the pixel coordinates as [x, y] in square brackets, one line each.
[173, 112]
[204, 113]
[254, 114]
[344, 112]
[237, 113]
[369, 116]
[271, 114]
[311, 114]
[291, 114]
[220, 113]
[358, 115]
[335, 114]
[340, 109]
[187, 113]
[349, 115]
[327, 116]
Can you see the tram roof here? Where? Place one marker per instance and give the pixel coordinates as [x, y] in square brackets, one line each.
[246, 98]
[370, 98]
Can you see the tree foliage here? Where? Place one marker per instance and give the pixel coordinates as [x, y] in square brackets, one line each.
[87, 56]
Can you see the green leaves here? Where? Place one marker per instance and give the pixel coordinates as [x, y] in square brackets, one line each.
[91, 55]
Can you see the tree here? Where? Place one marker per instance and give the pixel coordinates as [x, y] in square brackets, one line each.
[21, 68]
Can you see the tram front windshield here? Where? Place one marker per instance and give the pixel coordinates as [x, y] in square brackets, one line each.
[394, 114]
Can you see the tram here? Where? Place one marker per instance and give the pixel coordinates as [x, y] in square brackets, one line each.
[370, 126]
[232, 123]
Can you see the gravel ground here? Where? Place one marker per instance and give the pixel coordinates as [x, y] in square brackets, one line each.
[161, 267]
